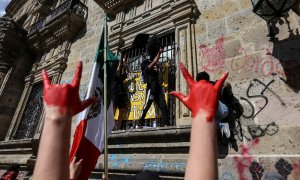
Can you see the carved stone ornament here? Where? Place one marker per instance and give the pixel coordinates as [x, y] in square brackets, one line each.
[63, 23]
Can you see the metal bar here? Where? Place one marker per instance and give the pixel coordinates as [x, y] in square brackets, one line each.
[105, 102]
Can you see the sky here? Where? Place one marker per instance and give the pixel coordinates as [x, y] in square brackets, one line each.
[3, 4]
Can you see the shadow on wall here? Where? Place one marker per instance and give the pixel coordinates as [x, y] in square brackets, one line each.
[287, 51]
[81, 33]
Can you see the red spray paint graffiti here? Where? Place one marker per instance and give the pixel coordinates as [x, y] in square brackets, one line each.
[213, 59]
[243, 163]
[296, 168]
[265, 66]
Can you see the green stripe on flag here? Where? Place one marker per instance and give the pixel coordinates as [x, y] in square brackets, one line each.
[112, 64]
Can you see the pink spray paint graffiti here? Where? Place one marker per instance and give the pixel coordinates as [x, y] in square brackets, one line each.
[243, 163]
[296, 168]
[264, 66]
[213, 58]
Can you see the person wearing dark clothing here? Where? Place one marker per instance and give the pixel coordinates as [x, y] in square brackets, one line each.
[120, 97]
[154, 88]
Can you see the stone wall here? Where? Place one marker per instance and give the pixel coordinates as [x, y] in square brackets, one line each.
[263, 75]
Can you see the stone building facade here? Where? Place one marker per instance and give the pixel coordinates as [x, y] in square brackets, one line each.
[215, 36]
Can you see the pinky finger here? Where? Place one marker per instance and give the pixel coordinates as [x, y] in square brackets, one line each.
[221, 81]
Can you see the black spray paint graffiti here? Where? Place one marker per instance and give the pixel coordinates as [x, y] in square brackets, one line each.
[256, 170]
[256, 131]
[259, 95]
[283, 167]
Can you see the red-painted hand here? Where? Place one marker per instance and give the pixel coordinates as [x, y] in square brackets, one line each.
[65, 96]
[202, 96]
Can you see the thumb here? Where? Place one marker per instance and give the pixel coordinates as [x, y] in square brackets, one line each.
[220, 82]
[181, 97]
[79, 162]
[86, 103]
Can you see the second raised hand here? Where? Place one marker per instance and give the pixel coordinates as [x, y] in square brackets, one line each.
[65, 96]
[202, 96]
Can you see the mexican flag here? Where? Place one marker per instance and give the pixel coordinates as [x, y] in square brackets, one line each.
[88, 143]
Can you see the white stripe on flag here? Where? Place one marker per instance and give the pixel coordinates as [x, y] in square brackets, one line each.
[95, 126]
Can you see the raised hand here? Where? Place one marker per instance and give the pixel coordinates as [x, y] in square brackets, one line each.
[75, 168]
[202, 96]
[66, 96]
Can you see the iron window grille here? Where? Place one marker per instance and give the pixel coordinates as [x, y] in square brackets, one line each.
[32, 113]
[136, 56]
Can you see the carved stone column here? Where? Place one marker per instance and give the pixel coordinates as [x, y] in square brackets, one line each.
[184, 16]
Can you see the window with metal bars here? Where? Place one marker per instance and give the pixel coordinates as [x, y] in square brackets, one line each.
[135, 56]
[32, 113]
[167, 59]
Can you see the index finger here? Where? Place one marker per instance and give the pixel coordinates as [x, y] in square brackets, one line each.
[220, 82]
[74, 160]
[186, 74]
[46, 80]
[77, 76]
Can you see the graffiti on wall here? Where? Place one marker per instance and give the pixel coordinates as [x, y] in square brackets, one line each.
[282, 166]
[152, 165]
[265, 66]
[256, 93]
[213, 58]
[227, 176]
[242, 163]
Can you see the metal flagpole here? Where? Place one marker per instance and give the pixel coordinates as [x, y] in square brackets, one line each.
[105, 101]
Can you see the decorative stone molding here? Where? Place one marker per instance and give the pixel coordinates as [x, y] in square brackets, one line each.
[112, 6]
[61, 24]
[170, 16]
[23, 152]
[11, 39]
[14, 6]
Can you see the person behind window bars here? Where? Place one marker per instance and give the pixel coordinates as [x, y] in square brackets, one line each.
[154, 89]
[120, 93]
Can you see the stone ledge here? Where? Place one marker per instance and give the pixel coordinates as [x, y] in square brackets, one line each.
[166, 133]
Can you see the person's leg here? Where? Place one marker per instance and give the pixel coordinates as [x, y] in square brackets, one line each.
[120, 117]
[161, 102]
[148, 102]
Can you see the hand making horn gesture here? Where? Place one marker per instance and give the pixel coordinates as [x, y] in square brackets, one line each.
[203, 95]
[65, 96]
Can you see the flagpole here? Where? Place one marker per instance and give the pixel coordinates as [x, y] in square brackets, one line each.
[105, 101]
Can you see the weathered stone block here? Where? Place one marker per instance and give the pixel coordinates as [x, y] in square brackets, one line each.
[242, 21]
[232, 48]
[245, 4]
[216, 29]
[200, 28]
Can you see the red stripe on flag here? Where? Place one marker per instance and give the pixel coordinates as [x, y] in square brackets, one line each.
[78, 135]
[82, 148]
